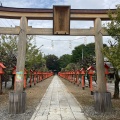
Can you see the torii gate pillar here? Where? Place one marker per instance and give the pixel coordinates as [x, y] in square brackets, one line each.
[99, 56]
[102, 97]
[17, 99]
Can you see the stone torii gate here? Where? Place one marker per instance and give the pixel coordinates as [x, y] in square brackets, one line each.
[25, 14]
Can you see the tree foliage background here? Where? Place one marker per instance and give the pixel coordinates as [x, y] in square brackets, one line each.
[8, 54]
[86, 50]
[52, 62]
[113, 52]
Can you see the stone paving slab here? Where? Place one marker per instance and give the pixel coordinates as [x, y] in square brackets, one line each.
[58, 104]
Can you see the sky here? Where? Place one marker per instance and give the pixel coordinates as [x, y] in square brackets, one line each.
[58, 45]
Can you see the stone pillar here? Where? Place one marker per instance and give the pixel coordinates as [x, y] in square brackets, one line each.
[21, 52]
[99, 57]
[17, 98]
[102, 97]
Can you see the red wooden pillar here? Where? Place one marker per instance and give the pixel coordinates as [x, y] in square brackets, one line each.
[31, 77]
[14, 73]
[34, 77]
[37, 77]
[73, 80]
[40, 76]
[1, 72]
[72, 76]
[77, 77]
[69, 76]
[91, 72]
[43, 74]
[82, 72]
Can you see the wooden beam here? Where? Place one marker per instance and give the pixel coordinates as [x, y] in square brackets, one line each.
[10, 31]
[82, 32]
[47, 14]
[89, 16]
[32, 16]
[49, 31]
[39, 31]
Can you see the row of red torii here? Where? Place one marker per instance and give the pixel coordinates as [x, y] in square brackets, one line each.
[35, 75]
[73, 76]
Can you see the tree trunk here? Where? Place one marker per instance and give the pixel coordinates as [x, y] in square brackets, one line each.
[116, 89]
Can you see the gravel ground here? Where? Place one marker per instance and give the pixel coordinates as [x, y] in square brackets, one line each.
[87, 102]
[33, 99]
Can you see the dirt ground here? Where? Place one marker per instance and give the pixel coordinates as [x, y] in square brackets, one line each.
[33, 98]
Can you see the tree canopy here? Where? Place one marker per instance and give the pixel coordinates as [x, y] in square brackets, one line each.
[88, 50]
[113, 29]
[8, 53]
[64, 60]
[52, 62]
[113, 52]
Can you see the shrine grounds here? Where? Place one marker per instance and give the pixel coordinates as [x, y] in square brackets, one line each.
[35, 94]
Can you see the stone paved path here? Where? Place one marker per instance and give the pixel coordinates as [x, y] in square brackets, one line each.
[58, 104]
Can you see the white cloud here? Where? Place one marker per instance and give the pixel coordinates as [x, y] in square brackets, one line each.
[84, 4]
[110, 4]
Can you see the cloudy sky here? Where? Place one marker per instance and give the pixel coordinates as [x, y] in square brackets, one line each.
[58, 45]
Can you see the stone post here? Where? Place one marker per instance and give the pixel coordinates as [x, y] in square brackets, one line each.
[17, 98]
[99, 57]
[102, 97]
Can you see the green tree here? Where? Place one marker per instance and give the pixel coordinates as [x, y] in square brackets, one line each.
[71, 66]
[8, 48]
[113, 52]
[8, 51]
[33, 57]
[8, 54]
[64, 60]
[52, 62]
[82, 50]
